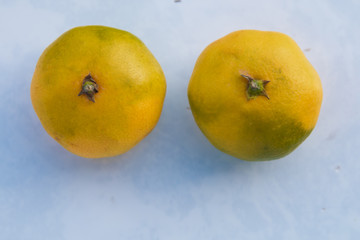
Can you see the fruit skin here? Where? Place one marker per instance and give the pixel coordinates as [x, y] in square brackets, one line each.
[259, 128]
[128, 104]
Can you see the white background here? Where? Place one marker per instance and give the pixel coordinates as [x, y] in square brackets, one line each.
[175, 184]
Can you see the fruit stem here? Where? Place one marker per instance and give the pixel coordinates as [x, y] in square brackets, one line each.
[89, 88]
[256, 87]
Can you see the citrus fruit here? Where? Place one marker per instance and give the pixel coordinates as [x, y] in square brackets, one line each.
[98, 91]
[254, 95]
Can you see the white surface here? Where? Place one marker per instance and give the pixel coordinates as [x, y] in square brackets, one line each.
[174, 184]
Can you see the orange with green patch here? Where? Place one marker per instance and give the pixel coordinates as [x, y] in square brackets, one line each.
[255, 95]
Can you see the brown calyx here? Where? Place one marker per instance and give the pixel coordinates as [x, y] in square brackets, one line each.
[89, 88]
[256, 87]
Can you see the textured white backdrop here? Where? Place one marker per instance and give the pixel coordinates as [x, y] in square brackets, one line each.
[174, 184]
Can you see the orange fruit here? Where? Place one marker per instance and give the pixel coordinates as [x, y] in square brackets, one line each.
[254, 95]
[98, 91]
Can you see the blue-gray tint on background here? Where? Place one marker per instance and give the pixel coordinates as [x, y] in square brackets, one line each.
[175, 184]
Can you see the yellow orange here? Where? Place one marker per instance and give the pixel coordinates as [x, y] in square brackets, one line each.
[130, 92]
[255, 95]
